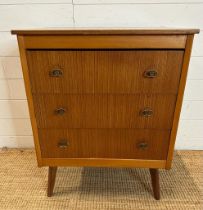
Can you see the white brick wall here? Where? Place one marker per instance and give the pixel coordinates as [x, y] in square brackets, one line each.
[15, 128]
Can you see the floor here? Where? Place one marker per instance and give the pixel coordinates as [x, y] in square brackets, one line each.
[23, 185]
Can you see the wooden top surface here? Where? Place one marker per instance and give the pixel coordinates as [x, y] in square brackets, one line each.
[105, 31]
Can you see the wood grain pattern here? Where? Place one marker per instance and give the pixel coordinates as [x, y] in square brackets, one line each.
[104, 143]
[103, 41]
[102, 90]
[179, 100]
[104, 111]
[91, 110]
[105, 71]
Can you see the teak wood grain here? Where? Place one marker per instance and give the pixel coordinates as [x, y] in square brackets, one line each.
[105, 143]
[104, 111]
[88, 111]
[96, 71]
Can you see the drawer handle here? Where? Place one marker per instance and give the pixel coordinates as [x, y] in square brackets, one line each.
[146, 112]
[63, 144]
[143, 145]
[60, 111]
[56, 73]
[150, 74]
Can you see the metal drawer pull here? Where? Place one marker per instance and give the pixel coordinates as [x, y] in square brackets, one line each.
[60, 111]
[150, 73]
[146, 112]
[143, 145]
[63, 144]
[56, 73]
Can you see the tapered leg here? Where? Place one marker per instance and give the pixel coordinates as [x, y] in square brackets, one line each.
[155, 182]
[51, 180]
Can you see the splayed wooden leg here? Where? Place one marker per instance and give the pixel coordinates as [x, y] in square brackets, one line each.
[51, 180]
[155, 182]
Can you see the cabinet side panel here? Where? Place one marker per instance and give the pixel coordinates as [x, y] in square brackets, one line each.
[23, 58]
[179, 101]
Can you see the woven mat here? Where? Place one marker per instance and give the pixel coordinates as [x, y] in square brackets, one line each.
[23, 185]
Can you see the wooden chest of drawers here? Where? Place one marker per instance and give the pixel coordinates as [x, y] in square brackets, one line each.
[105, 97]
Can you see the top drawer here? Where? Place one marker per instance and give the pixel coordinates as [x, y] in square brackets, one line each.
[104, 71]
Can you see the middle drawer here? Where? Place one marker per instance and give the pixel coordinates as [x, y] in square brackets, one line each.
[104, 111]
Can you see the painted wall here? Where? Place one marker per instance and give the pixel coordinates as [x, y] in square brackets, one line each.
[15, 128]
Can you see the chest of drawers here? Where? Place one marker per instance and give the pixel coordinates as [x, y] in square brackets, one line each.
[105, 98]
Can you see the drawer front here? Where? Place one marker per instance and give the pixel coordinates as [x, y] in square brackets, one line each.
[104, 111]
[104, 143]
[105, 71]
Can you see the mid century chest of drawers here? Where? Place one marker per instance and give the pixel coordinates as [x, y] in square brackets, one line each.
[106, 98]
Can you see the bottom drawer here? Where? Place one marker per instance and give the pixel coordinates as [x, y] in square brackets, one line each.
[104, 143]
